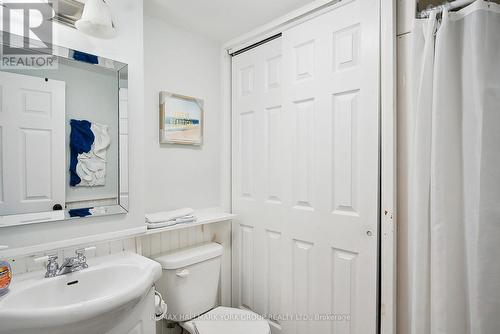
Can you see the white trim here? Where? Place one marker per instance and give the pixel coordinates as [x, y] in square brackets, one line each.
[91, 239]
[388, 260]
[388, 132]
[225, 157]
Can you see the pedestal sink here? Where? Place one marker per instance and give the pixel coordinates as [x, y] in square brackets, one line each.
[100, 299]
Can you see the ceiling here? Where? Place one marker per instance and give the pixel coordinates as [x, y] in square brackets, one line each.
[220, 20]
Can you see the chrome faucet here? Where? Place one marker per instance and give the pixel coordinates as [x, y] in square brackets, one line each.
[69, 265]
[72, 264]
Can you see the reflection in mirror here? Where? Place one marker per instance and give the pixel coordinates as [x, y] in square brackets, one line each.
[63, 140]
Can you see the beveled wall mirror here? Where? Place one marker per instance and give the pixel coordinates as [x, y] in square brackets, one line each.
[63, 138]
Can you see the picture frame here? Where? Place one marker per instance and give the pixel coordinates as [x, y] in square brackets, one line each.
[181, 119]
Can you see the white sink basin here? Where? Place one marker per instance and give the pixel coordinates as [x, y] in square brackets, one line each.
[89, 301]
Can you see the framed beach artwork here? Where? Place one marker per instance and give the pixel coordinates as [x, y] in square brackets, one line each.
[181, 119]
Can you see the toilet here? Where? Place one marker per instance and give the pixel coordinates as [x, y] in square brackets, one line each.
[190, 285]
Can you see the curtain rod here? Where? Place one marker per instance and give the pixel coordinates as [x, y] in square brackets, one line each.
[255, 45]
[447, 5]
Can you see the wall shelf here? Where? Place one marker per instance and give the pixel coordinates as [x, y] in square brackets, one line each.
[204, 218]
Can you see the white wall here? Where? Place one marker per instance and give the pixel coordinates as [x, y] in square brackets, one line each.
[176, 176]
[126, 47]
[406, 14]
[181, 62]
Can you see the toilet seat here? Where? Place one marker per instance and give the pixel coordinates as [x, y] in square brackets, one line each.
[227, 320]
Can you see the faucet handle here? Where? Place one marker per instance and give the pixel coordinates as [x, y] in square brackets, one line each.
[81, 251]
[52, 265]
[80, 255]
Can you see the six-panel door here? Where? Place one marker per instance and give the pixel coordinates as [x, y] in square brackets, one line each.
[305, 174]
[32, 144]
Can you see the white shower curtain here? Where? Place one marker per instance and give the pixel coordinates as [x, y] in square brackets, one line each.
[454, 173]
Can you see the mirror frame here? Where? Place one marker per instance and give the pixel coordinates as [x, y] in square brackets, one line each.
[121, 70]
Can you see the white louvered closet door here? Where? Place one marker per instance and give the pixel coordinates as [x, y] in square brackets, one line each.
[305, 174]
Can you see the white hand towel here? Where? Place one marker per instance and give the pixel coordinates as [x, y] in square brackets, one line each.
[182, 220]
[185, 219]
[160, 217]
[159, 225]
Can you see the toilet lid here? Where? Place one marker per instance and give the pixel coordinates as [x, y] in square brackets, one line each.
[222, 320]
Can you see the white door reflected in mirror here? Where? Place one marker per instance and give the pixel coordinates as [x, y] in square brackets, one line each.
[32, 140]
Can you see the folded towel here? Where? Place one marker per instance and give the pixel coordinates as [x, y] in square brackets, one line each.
[161, 217]
[159, 225]
[185, 219]
[182, 220]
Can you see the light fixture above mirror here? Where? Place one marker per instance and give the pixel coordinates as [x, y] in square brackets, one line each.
[96, 20]
[91, 17]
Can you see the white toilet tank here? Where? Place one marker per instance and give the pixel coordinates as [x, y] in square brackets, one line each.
[190, 280]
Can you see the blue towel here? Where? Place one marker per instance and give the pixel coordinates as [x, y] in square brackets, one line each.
[81, 140]
[85, 57]
[79, 212]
